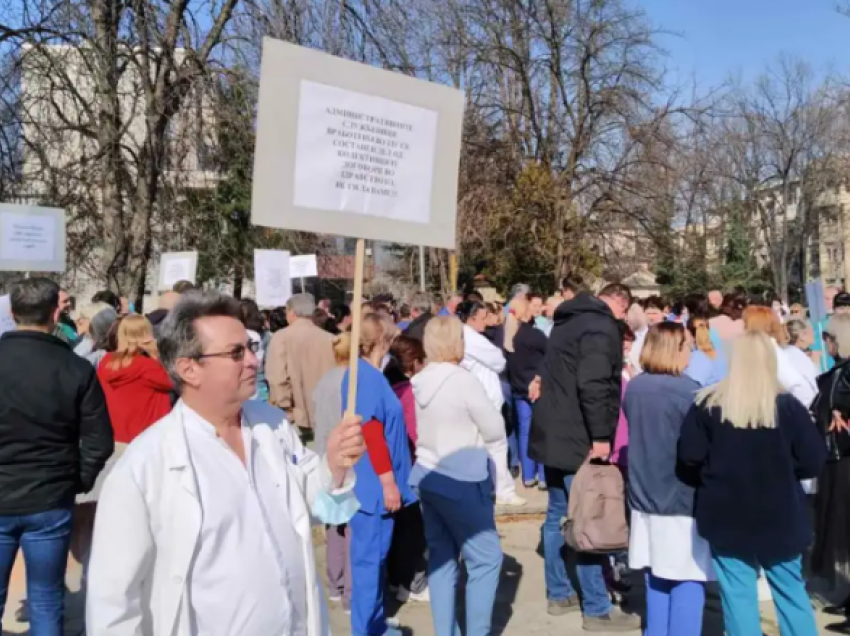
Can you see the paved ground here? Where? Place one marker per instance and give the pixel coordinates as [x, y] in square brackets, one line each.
[521, 606]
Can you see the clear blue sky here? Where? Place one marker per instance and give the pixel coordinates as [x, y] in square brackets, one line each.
[719, 38]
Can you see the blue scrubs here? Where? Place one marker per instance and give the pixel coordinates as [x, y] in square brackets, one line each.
[372, 526]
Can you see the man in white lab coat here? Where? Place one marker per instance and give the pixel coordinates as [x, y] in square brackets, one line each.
[203, 526]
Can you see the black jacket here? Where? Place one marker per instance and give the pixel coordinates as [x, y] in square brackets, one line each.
[834, 395]
[580, 392]
[527, 357]
[749, 502]
[54, 425]
[416, 329]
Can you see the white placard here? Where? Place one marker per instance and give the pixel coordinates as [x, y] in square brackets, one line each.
[348, 149]
[177, 266]
[7, 323]
[27, 237]
[271, 277]
[32, 239]
[303, 266]
[363, 154]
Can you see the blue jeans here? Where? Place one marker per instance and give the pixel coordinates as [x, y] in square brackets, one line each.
[673, 608]
[45, 538]
[739, 594]
[531, 469]
[594, 592]
[460, 521]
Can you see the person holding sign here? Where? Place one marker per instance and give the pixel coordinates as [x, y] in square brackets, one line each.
[203, 527]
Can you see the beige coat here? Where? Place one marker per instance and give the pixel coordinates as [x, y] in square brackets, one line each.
[297, 358]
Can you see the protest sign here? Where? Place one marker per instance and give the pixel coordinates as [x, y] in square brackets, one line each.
[7, 323]
[32, 239]
[303, 266]
[349, 149]
[815, 301]
[177, 266]
[272, 277]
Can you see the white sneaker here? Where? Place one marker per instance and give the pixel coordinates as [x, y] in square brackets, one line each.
[404, 595]
[513, 501]
[334, 599]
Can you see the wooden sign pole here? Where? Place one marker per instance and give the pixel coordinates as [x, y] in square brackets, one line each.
[356, 314]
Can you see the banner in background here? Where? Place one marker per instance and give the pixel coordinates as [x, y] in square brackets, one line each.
[177, 266]
[32, 239]
[303, 266]
[272, 278]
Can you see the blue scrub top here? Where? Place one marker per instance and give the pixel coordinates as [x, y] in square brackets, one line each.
[376, 400]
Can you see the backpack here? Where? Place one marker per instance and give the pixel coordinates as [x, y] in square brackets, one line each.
[596, 517]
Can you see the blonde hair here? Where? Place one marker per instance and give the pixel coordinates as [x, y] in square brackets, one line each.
[134, 337]
[372, 334]
[746, 397]
[839, 328]
[795, 328]
[517, 307]
[662, 349]
[342, 348]
[702, 336]
[765, 320]
[443, 339]
[90, 311]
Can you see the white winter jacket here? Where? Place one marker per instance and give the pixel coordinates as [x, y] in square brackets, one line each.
[485, 361]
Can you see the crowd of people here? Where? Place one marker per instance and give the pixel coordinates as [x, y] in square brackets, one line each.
[181, 455]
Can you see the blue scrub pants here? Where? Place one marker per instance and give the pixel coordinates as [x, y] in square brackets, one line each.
[738, 591]
[673, 608]
[371, 537]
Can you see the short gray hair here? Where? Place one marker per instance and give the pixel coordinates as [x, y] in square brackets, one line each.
[302, 305]
[421, 302]
[519, 288]
[178, 335]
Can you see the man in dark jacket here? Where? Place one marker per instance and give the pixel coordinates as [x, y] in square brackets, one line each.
[421, 308]
[575, 418]
[56, 439]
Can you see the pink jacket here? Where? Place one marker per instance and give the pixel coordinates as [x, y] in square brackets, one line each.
[620, 456]
[404, 393]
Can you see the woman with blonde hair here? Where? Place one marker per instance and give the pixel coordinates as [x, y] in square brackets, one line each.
[459, 433]
[707, 365]
[136, 384]
[663, 539]
[382, 482]
[791, 377]
[745, 445]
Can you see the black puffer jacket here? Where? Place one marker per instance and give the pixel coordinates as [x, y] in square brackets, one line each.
[581, 374]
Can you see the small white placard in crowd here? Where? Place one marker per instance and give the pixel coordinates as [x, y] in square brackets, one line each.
[177, 266]
[7, 323]
[32, 239]
[303, 266]
[271, 277]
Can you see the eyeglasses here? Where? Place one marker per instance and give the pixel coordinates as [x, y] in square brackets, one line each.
[237, 354]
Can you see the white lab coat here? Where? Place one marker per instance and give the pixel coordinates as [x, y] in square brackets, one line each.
[149, 520]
